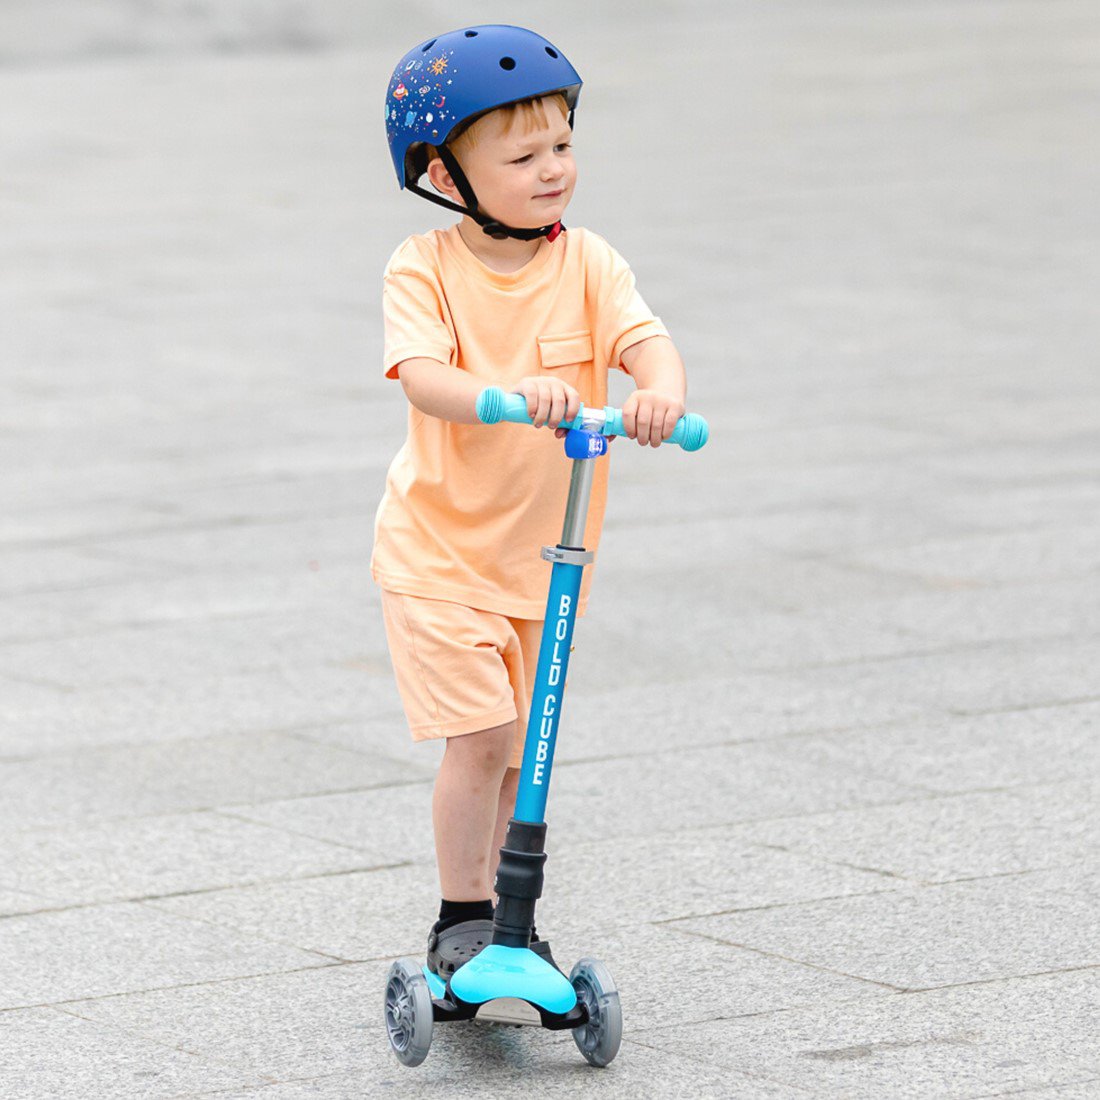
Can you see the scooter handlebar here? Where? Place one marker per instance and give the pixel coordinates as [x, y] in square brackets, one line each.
[494, 405]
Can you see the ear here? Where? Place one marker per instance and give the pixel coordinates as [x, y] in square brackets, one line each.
[441, 180]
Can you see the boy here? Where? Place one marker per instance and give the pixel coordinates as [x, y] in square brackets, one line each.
[506, 297]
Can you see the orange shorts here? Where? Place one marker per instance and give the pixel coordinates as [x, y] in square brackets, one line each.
[460, 670]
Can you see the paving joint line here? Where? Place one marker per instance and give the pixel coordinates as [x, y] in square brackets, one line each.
[1055, 1087]
[145, 1037]
[179, 985]
[249, 934]
[721, 1066]
[204, 890]
[262, 731]
[797, 962]
[765, 908]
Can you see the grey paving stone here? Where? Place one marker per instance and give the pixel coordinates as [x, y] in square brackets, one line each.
[601, 717]
[972, 679]
[18, 696]
[727, 637]
[915, 938]
[73, 523]
[177, 596]
[387, 912]
[1002, 463]
[971, 1041]
[1082, 1090]
[833, 526]
[39, 615]
[1004, 749]
[171, 652]
[638, 1071]
[298, 1026]
[20, 901]
[1072, 551]
[881, 565]
[154, 856]
[110, 949]
[286, 496]
[638, 591]
[382, 732]
[101, 1060]
[1053, 610]
[1016, 506]
[944, 839]
[599, 798]
[194, 774]
[352, 916]
[679, 874]
[60, 569]
[178, 709]
[619, 798]
[387, 825]
[239, 548]
[663, 974]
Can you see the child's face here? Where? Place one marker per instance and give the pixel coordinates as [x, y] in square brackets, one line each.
[523, 179]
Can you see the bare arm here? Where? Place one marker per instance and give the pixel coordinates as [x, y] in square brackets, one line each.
[440, 390]
[651, 411]
[450, 394]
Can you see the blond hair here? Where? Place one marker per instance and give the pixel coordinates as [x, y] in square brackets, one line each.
[528, 113]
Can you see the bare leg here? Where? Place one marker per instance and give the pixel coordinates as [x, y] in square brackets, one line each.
[505, 808]
[465, 804]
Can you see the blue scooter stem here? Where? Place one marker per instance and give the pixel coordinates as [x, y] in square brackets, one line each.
[519, 876]
[494, 405]
[546, 697]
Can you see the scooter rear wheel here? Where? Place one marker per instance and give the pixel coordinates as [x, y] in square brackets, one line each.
[408, 1008]
[599, 1039]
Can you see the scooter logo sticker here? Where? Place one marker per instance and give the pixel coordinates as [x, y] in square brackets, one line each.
[553, 677]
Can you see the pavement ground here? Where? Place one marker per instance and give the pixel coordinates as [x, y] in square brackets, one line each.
[825, 798]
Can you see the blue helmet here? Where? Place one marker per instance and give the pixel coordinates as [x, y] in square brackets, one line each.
[450, 80]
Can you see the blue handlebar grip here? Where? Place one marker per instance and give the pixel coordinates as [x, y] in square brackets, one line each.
[691, 432]
[494, 405]
[490, 404]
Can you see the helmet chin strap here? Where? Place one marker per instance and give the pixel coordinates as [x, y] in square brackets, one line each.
[490, 226]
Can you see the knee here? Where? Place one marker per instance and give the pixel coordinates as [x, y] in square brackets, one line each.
[487, 751]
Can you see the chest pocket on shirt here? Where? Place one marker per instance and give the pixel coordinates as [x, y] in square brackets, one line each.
[562, 355]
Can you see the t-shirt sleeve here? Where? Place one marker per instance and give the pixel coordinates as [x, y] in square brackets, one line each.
[622, 317]
[412, 314]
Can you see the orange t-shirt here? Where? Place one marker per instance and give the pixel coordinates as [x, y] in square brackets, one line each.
[467, 508]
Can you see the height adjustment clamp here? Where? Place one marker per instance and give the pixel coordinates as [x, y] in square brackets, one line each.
[568, 555]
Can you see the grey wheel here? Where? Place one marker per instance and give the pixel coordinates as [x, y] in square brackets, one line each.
[408, 1012]
[599, 1039]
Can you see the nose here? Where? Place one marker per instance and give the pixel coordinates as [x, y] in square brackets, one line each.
[552, 169]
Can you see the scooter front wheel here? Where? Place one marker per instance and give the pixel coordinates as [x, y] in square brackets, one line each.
[599, 1039]
[408, 1007]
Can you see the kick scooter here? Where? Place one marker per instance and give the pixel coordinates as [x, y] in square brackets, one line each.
[587, 1002]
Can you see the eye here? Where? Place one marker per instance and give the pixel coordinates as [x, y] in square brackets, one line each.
[523, 159]
[563, 146]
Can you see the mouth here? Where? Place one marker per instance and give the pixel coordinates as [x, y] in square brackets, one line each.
[551, 194]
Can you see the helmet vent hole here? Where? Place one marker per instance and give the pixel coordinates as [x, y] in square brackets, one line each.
[427, 46]
[552, 53]
[507, 63]
[471, 34]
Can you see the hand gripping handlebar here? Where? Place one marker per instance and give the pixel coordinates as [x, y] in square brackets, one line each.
[494, 405]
